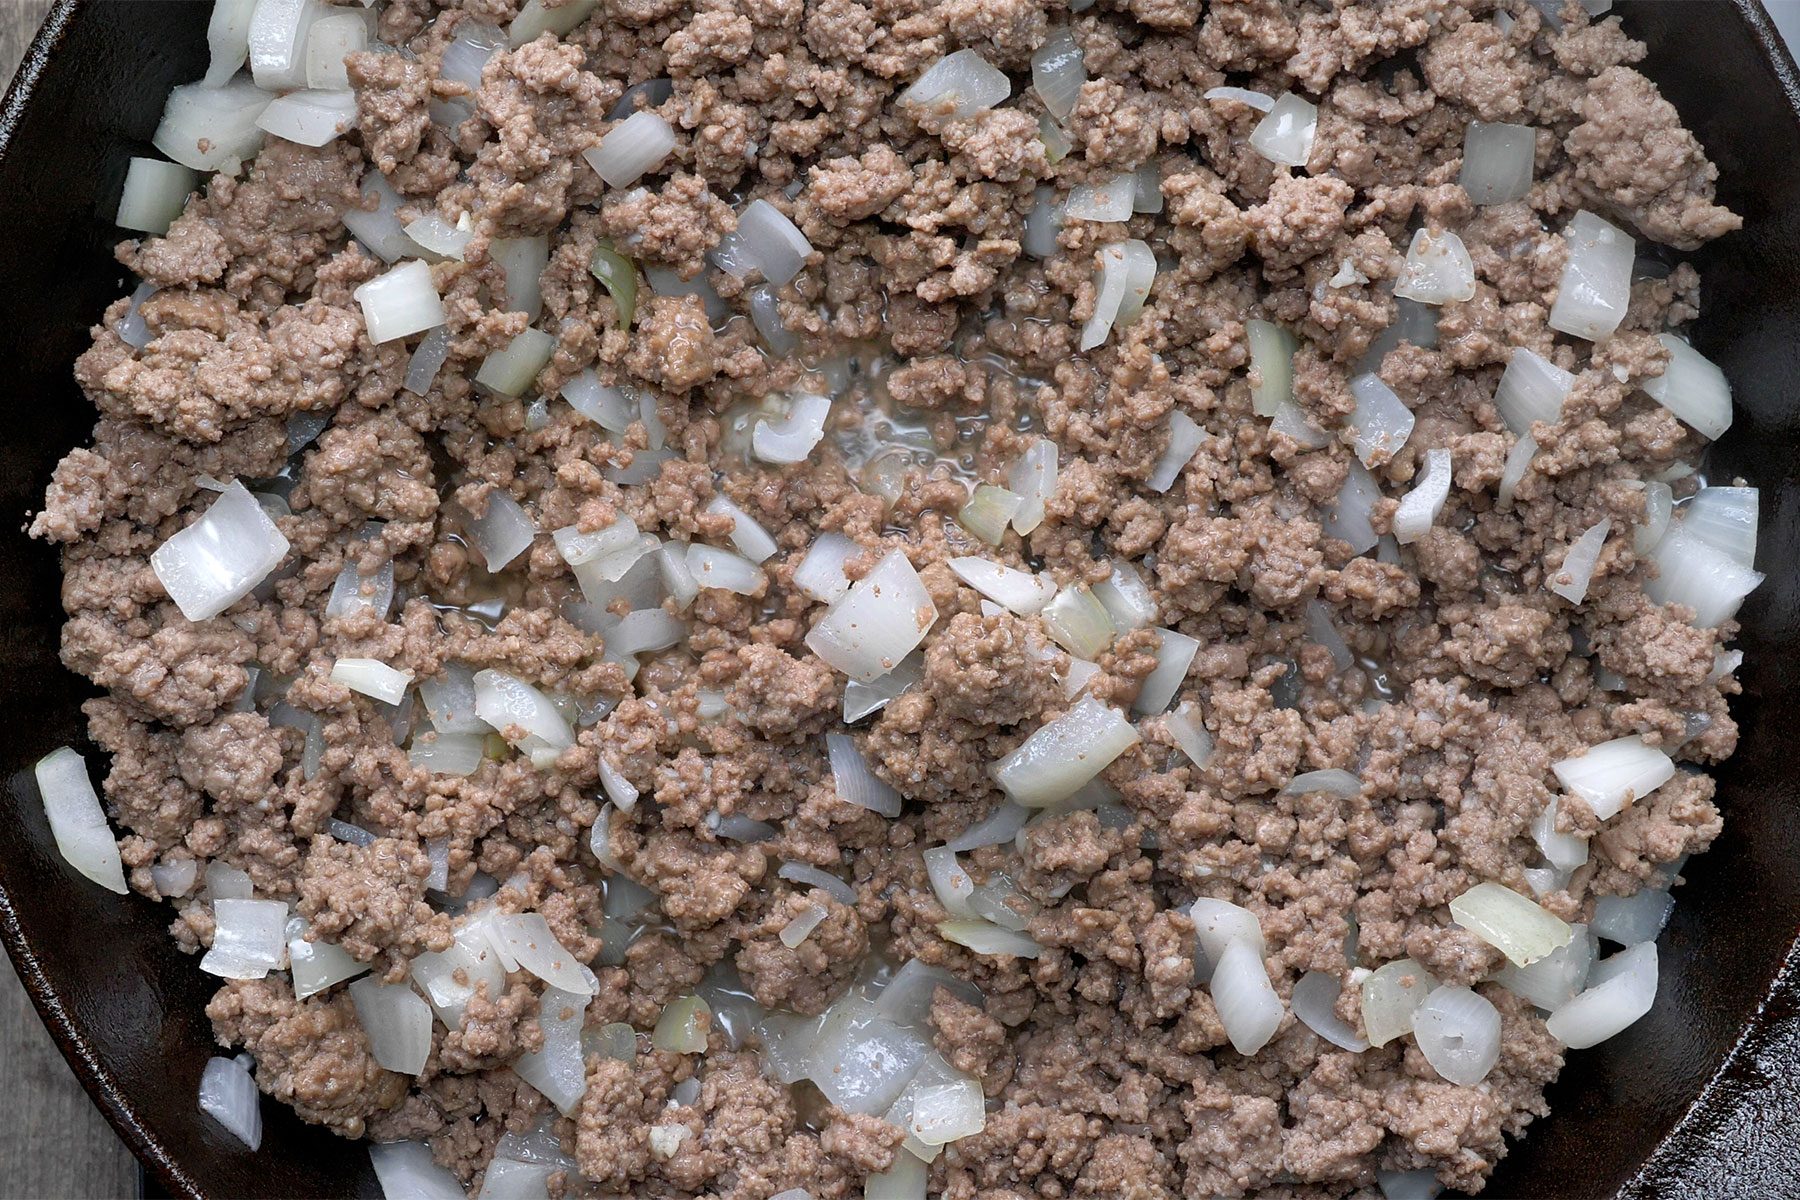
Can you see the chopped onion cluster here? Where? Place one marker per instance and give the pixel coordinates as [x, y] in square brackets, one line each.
[1531, 389]
[879, 621]
[1510, 923]
[1381, 423]
[228, 1095]
[1057, 73]
[633, 148]
[960, 85]
[1127, 270]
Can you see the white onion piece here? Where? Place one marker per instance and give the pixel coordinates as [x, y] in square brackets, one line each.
[1291, 421]
[380, 229]
[317, 965]
[353, 591]
[203, 127]
[1126, 597]
[1332, 781]
[1421, 1184]
[1510, 923]
[615, 547]
[985, 937]
[1391, 994]
[950, 882]
[1272, 359]
[451, 701]
[1286, 134]
[1420, 507]
[1438, 269]
[1726, 519]
[1613, 774]
[512, 371]
[277, 42]
[503, 532]
[672, 567]
[765, 314]
[509, 1179]
[766, 240]
[1314, 1001]
[1017, 591]
[1629, 920]
[646, 631]
[750, 538]
[1458, 1031]
[309, 118]
[799, 928]
[1349, 519]
[1725, 663]
[988, 511]
[1532, 388]
[174, 877]
[1625, 992]
[995, 829]
[76, 820]
[373, 678]
[947, 1112]
[557, 1070]
[1691, 386]
[538, 17]
[1248, 1006]
[219, 559]
[1042, 224]
[1595, 289]
[1518, 462]
[1564, 851]
[633, 148]
[1497, 162]
[454, 754]
[1381, 422]
[1057, 73]
[1571, 580]
[523, 261]
[397, 1022]
[1127, 270]
[879, 621]
[1697, 574]
[821, 572]
[855, 783]
[958, 85]
[1108, 200]
[1174, 655]
[435, 235]
[450, 978]
[403, 301]
[1554, 980]
[792, 439]
[907, 998]
[1081, 673]
[610, 408]
[406, 1171]
[1184, 725]
[526, 937]
[509, 704]
[1217, 924]
[228, 43]
[861, 1059]
[155, 193]
[905, 1180]
[1260, 101]
[1078, 622]
[711, 567]
[131, 328]
[1185, 437]
[228, 1095]
[1033, 477]
[331, 40]
[249, 938]
[825, 881]
[1056, 760]
[1414, 324]
[225, 882]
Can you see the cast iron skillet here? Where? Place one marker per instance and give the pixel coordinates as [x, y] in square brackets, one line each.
[1696, 1100]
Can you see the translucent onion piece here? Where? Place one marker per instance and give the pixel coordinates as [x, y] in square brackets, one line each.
[557, 1069]
[401, 302]
[1185, 727]
[646, 631]
[879, 621]
[155, 193]
[1126, 598]
[1390, 996]
[1616, 773]
[1081, 673]
[947, 1112]
[502, 532]
[793, 438]
[1185, 437]
[539, 17]
[372, 678]
[1333, 781]
[671, 565]
[825, 881]
[1056, 148]
[905, 1180]
[985, 937]
[1726, 519]
[203, 127]
[353, 591]
[465, 58]
[1321, 632]
[1518, 462]
[1458, 1031]
[1497, 162]
[174, 877]
[855, 783]
[1107, 200]
[1174, 655]
[228, 1095]
[1248, 1006]
[1438, 269]
[787, 1044]
[1017, 591]
[1531, 389]
[950, 882]
[1510, 923]
[131, 328]
[1595, 289]
[1033, 477]
[765, 314]
[715, 568]
[518, 710]
[1695, 573]
[1042, 224]
[379, 229]
[1057, 73]
[1217, 924]
[1272, 359]
[1629, 920]
[1414, 324]
[958, 85]
[1054, 762]
[225, 882]
[862, 1060]
[995, 829]
[1691, 386]
[1381, 422]
[219, 559]
[999, 900]
[1314, 1001]
[615, 547]
[512, 371]
[455, 754]
[1127, 270]
[397, 1022]
[1555, 979]
[406, 1171]
[750, 538]
[277, 42]
[800, 928]
[1349, 519]
[249, 938]
[907, 998]
[771, 243]
[1564, 851]
[451, 701]
[1260, 101]
[821, 572]
[1286, 134]
[1625, 992]
[1078, 622]
[988, 511]
[618, 275]
[526, 938]
[1420, 507]
[633, 148]
[309, 118]
[228, 41]
[1421, 1184]
[1291, 421]
[1570, 581]
[523, 260]
[1146, 196]
[317, 965]
[508, 1179]
[76, 820]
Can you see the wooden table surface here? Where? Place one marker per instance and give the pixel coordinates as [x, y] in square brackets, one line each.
[54, 1143]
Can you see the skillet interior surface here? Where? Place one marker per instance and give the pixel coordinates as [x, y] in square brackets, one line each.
[1692, 1101]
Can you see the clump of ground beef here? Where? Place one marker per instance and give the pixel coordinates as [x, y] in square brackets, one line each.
[731, 815]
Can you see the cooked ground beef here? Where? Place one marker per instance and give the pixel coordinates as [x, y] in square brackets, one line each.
[1443, 675]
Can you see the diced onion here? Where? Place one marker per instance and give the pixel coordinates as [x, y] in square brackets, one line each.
[317, 965]
[907, 998]
[1081, 673]
[958, 85]
[1626, 993]
[1286, 134]
[1078, 622]
[539, 17]
[1217, 924]
[228, 1095]
[1042, 224]
[512, 371]
[203, 127]
[949, 1111]
[1126, 598]
[1692, 387]
[1184, 725]
[1616, 773]
[1017, 591]
[1291, 421]
[1726, 519]
[1056, 760]
[1349, 519]
[1272, 359]
[1571, 580]
[174, 877]
[1127, 270]
[610, 408]
[309, 118]
[1381, 422]
[988, 511]
[765, 314]
[509, 1179]
[985, 937]
[503, 531]
[1033, 477]
[1510, 923]
[1458, 1031]
[995, 829]
[1248, 1006]
[557, 1070]
[633, 148]
[373, 678]
[711, 567]
[1414, 324]
[154, 195]
[767, 241]
[277, 41]
[1057, 73]
[219, 559]
[1518, 462]
[397, 1022]
[1174, 655]
[799, 928]
[403, 301]
[1184, 438]
[1315, 1001]
[226, 882]
[821, 572]
[440, 237]
[825, 881]
[228, 41]
[523, 261]
[1333, 781]
[1390, 996]
[77, 822]
[861, 1059]
[1595, 289]
[613, 549]
[1696, 573]
[354, 591]
[508, 703]
[1531, 389]
[793, 438]
[131, 328]
[1497, 162]
[1421, 1184]
[1056, 148]
[646, 631]
[905, 1180]
[1554, 980]
[455, 754]
[451, 701]
[751, 539]
[380, 230]
[1108, 200]
[879, 621]
[1629, 920]
[855, 783]
[672, 567]
[1261, 101]
[527, 939]
[1438, 269]
[1564, 851]
[1420, 507]
[950, 882]
[331, 40]
[406, 1170]
[249, 938]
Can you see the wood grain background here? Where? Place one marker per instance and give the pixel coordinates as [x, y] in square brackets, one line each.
[54, 1143]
